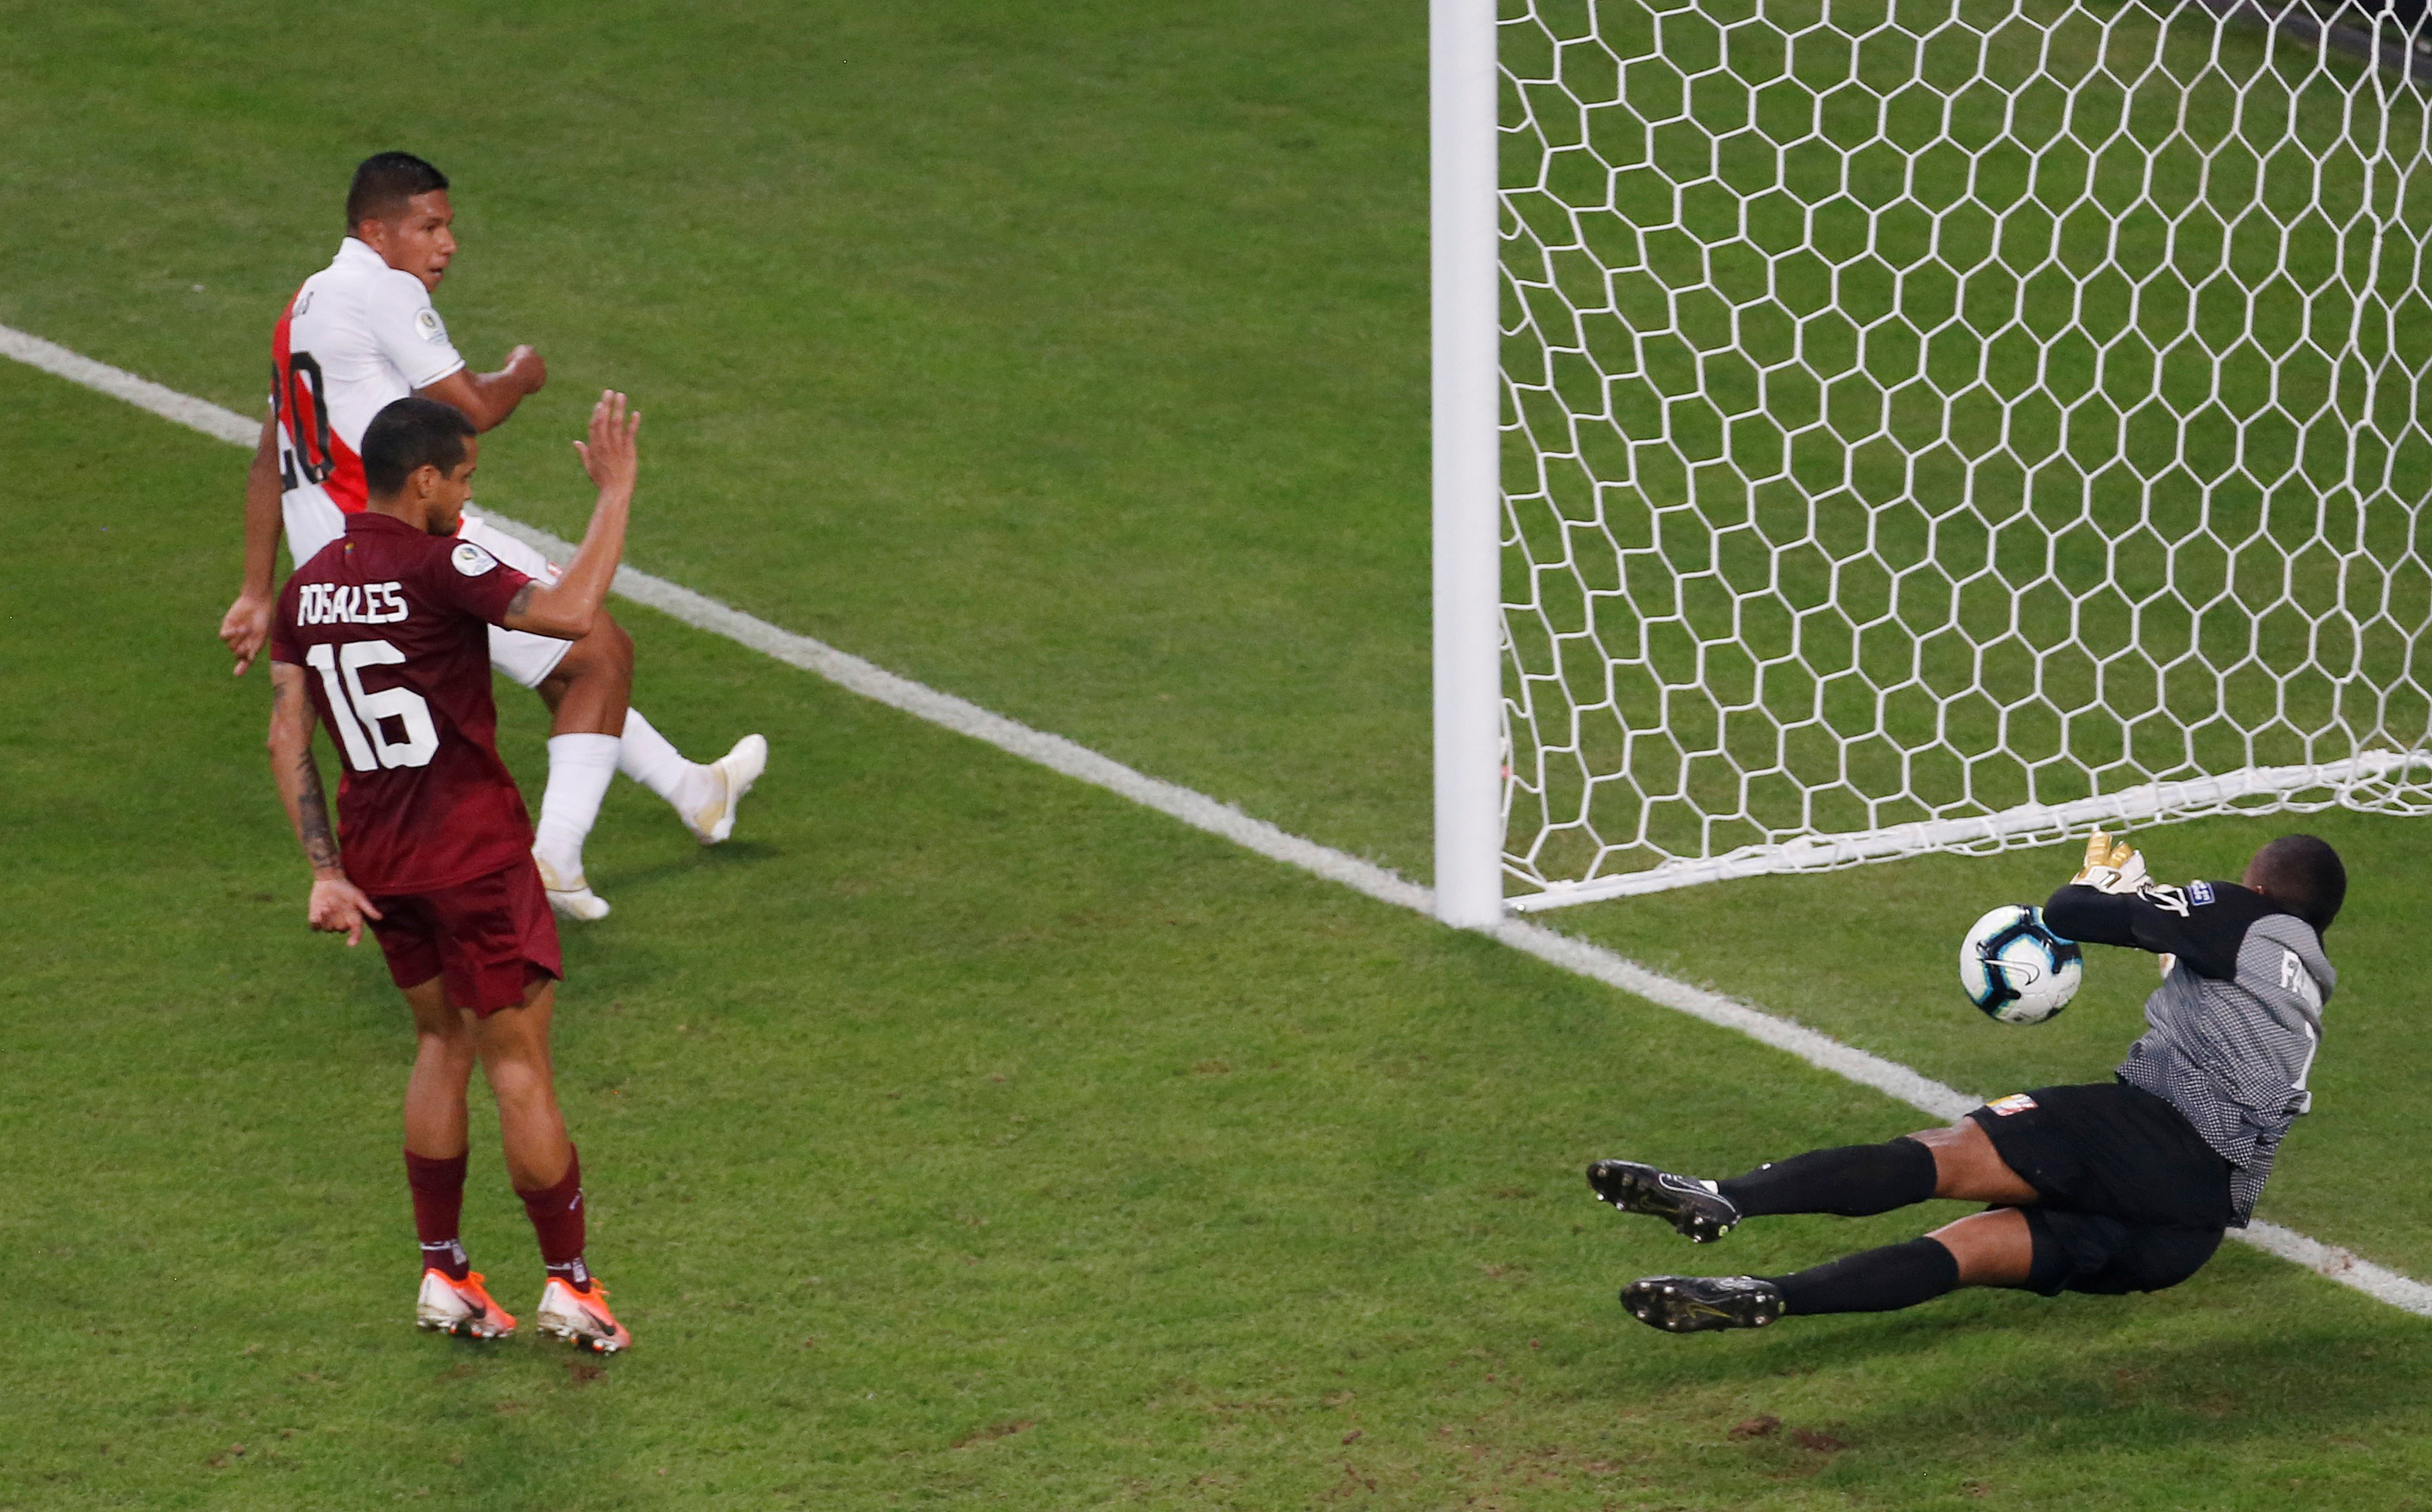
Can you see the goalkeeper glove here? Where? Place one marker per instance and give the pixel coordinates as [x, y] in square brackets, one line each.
[2110, 867]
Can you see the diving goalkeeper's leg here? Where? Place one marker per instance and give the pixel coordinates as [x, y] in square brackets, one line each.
[1992, 1249]
[1853, 1181]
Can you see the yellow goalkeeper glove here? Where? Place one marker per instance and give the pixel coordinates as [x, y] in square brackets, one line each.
[2110, 867]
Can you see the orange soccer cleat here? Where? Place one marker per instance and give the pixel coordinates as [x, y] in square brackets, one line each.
[460, 1307]
[581, 1318]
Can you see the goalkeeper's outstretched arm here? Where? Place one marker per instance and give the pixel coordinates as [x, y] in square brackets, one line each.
[2110, 901]
[2091, 918]
[2158, 920]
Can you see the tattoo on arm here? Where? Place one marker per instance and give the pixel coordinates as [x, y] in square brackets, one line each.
[313, 814]
[291, 709]
[521, 601]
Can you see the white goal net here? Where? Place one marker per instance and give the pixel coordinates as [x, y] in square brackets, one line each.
[1941, 424]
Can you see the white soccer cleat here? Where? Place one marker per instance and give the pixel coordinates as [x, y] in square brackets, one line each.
[735, 773]
[460, 1307]
[581, 1318]
[569, 899]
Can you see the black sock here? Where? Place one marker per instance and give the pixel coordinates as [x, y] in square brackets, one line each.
[1852, 1181]
[1875, 1280]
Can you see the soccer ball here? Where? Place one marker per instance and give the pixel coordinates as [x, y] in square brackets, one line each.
[2017, 970]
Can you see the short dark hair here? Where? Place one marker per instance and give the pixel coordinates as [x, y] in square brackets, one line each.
[383, 182]
[410, 433]
[2306, 874]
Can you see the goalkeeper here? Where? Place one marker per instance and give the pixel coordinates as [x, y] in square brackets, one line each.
[2112, 1188]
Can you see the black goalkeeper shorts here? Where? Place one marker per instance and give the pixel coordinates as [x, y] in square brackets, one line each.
[2133, 1199]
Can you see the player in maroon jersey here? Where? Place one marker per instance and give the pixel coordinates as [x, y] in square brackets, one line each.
[384, 635]
[359, 334]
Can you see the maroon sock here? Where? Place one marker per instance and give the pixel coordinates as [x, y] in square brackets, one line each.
[438, 1206]
[556, 1217]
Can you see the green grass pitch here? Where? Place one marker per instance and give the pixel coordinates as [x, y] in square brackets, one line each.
[958, 1135]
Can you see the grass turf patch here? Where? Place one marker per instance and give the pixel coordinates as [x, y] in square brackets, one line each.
[954, 1134]
[1074, 363]
[1070, 358]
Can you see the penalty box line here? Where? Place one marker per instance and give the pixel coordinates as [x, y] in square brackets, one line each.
[1201, 812]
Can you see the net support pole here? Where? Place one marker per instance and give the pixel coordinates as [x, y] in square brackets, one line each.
[1467, 397]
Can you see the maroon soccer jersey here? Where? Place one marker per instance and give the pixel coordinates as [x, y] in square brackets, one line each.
[391, 625]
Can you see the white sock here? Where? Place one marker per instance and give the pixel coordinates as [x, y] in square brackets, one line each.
[580, 769]
[652, 758]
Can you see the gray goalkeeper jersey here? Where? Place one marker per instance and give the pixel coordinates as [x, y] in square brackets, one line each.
[2232, 1031]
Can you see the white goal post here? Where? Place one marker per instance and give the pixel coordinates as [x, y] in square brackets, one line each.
[1872, 426]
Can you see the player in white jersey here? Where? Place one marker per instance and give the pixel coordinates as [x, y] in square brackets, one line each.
[361, 334]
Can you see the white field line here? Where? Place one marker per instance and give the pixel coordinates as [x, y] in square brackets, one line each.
[198, 414]
[1202, 811]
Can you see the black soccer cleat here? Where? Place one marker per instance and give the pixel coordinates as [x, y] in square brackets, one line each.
[1693, 1304]
[1704, 1215]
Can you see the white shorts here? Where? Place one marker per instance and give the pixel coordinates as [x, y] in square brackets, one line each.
[313, 523]
[527, 658]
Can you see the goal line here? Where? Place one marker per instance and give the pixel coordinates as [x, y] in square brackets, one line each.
[1899, 1082]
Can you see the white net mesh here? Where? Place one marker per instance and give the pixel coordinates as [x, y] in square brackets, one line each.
[1940, 423]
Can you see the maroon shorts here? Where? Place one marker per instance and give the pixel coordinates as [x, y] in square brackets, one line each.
[488, 937]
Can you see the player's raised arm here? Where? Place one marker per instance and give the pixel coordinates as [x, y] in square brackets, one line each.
[336, 905]
[566, 608]
[488, 398]
[245, 628]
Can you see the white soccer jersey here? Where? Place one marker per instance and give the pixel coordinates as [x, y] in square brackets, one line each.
[358, 336]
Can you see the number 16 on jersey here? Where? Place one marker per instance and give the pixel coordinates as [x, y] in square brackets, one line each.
[360, 715]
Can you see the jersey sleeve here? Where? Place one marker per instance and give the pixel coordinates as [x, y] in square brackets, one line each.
[409, 331]
[285, 645]
[2201, 923]
[471, 581]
